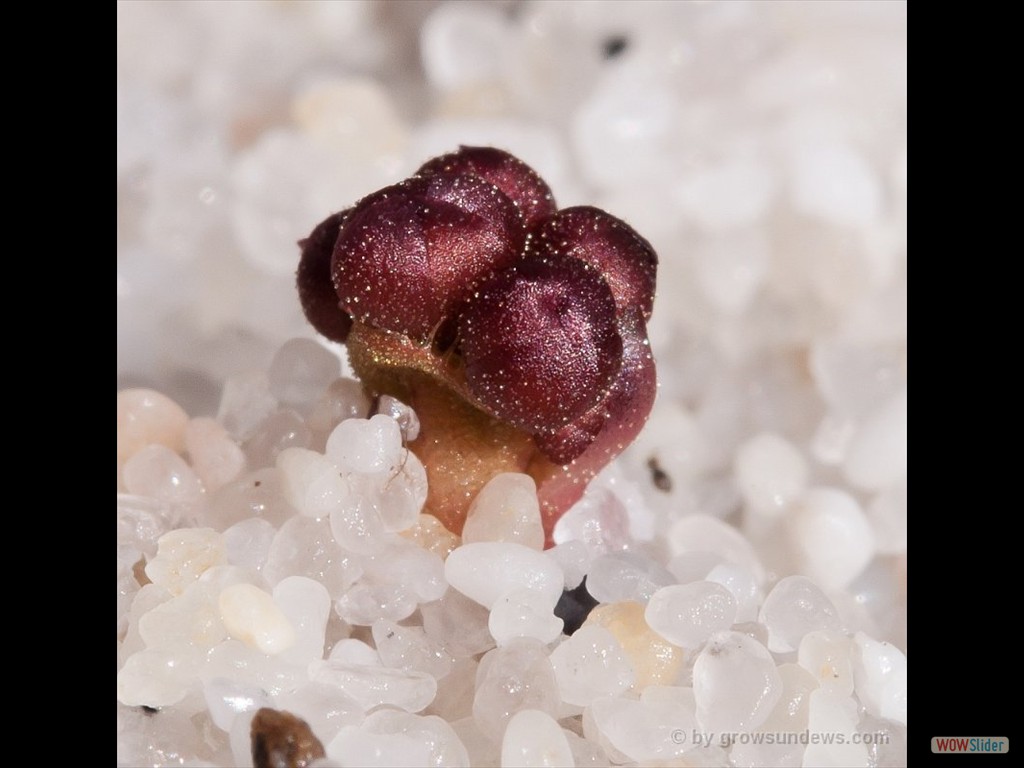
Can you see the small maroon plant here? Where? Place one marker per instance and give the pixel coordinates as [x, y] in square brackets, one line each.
[517, 331]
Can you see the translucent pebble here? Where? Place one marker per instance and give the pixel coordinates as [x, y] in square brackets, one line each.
[832, 439]
[880, 675]
[854, 378]
[247, 543]
[140, 522]
[463, 45]
[402, 562]
[789, 716]
[648, 729]
[731, 268]
[399, 740]
[406, 417]
[703, 533]
[177, 736]
[430, 534]
[482, 749]
[184, 212]
[353, 651]
[282, 429]
[626, 576]
[355, 521]
[222, 576]
[673, 438]
[343, 399]
[622, 129]
[794, 607]
[127, 587]
[190, 620]
[523, 613]
[455, 692]
[144, 417]
[364, 604]
[396, 579]
[735, 683]
[226, 699]
[514, 677]
[305, 547]
[885, 740]
[823, 252]
[826, 655]
[458, 623]
[245, 402]
[835, 183]
[366, 445]
[732, 195]
[488, 570]
[145, 600]
[241, 662]
[183, 555]
[240, 739]
[252, 616]
[585, 752]
[629, 495]
[157, 677]
[591, 664]
[771, 474]
[300, 371]
[832, 537]
[215, 457]
[372, 686]
[159, 472]
[755, 751]
[410, 648]
[592, 734]
[743, 586]
[694, 566]
[353, 114]
[654, 660]
[828, 713]
[403, 492]
[688, 614]
[533, 739]
[267, 219]
[506, 509]
[324, 707]
[257, 494]
[887, 514]
[599, 520]
[573, 557]
[312, 483]
[306, 605]
[877, 456]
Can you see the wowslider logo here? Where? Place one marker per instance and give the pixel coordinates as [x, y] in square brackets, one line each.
[975, 744]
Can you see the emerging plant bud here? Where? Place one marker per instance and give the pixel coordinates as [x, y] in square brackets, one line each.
[517, 332]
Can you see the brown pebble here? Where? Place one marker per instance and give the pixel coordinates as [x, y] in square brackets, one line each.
[139, 571]
[282, 740]
[659, 477]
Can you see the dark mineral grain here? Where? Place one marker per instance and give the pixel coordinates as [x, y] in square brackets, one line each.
[282, 740]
